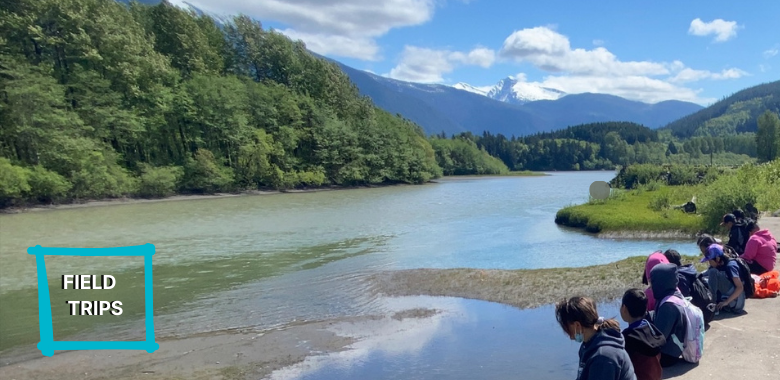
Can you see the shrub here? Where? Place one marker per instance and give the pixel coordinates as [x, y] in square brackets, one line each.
[159, 181]
[100, 176]
[682, 175]
[13, 180]
[46, 185]
[204, 174]
[659, 202]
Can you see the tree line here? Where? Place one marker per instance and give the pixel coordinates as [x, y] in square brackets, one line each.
[607, 145]
[100, 99]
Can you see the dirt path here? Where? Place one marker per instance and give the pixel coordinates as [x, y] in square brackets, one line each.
[743, 347]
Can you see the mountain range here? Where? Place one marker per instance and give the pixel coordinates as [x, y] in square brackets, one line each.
[511, 107]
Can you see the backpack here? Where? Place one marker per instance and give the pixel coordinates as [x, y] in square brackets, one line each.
[702, 298]
[744, 271]
[693, 345]
[694, 285]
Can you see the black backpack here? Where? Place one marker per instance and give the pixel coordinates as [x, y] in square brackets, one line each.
[696, 287]
[744, 271]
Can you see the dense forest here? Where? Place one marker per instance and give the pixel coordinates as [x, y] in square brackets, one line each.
[737, 113]
[101, 99]
[606, 145]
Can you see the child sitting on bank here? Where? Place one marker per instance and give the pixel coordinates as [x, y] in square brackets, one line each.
[643, 340]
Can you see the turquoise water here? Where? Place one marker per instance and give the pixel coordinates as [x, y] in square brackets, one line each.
[264, 261]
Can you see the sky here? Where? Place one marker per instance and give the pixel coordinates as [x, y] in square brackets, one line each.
[698, 51]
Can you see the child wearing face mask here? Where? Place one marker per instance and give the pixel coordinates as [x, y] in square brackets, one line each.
[602, 354]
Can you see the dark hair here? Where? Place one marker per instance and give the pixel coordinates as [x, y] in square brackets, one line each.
[673, 257]
[705, 240]
[635, 301]
[582, 310]
[739, 214]
[752, 225]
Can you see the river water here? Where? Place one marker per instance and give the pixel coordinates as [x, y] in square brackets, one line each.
[264, 261]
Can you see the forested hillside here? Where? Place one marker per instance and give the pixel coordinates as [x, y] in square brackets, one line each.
[605, 145]
[101, 99]
[737, 113]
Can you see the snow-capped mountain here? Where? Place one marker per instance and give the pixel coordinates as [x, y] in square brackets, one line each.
[512, 90]
[477, 90]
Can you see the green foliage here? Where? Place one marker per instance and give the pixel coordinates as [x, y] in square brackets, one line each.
[13, 180]
[460, 156]
[609, 145]
[630, 212]
[204, 174]
[660, 202]
[756, 184]
[159, 181]
[99, 99]
[47, 186]
[645, 175]
[768, 137]
[735, 114]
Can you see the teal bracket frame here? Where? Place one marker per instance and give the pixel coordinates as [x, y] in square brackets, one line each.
[47, 345]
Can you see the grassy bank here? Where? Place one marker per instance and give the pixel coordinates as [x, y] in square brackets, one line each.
[520, 288]
[647, 209]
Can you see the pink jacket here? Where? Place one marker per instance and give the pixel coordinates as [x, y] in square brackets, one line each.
[654, 259]
[761, 248]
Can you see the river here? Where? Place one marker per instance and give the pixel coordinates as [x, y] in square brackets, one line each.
[267, 260]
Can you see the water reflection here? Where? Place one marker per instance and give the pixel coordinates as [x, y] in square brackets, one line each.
[470, 339]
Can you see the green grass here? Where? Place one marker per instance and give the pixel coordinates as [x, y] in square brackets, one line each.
[644, 209]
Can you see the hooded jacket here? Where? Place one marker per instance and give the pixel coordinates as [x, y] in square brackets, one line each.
[669, 318]
[762, 248]
[654, 259]
[643, 344]
[604, 358]
[737, 238]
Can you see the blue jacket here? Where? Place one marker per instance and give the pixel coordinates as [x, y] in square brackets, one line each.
[604, 358]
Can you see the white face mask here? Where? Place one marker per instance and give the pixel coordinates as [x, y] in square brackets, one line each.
[579, 337]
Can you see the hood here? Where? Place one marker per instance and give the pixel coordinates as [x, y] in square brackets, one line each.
[764, 235]
[663, 280]
[654, 259]
[646, 339]
[688, 270]
[603, 338]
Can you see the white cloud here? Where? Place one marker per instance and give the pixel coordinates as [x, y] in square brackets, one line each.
[577, 70]
[722, 29]
[764, 68]
[691, 75]
[769, 53]
[346, 28]
[633, 87]
[355, 47]
[598, 42]
[551, 51]
[424, 65]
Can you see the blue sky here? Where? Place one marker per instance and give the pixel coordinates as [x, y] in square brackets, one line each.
[697, 51]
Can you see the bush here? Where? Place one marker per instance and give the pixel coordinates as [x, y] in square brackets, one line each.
[682, 175]
[204, 175]
[660, 202]
[632, 176]
[159, 181]
[13, 180]
[723, 196]
[46, 185]
[100, 176]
